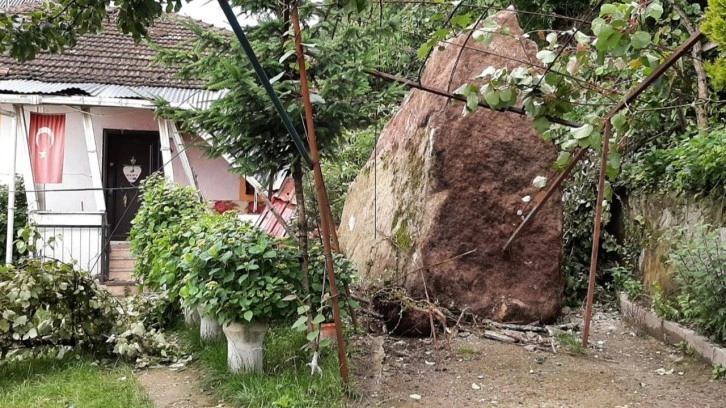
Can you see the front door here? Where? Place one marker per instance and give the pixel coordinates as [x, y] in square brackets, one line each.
[130, 157]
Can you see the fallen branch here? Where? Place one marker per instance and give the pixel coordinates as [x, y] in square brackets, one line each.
[492, 335]
[517, 327]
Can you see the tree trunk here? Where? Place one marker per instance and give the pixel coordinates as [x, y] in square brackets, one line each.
[701, 78]
[245, 345]
[297, 176]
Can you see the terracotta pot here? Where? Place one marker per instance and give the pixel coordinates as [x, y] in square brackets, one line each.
[327, 332]
[209, 327]
[245, 346]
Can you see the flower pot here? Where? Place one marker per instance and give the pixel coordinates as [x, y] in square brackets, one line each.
[327, 332]
[245, 346]
[209, 327]
[191, 317]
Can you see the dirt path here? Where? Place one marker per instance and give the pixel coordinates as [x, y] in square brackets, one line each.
[176, 388]
[619, 371]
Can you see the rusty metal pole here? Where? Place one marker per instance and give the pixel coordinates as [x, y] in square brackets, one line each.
[322, 196]
[548, 194]
[596, 232]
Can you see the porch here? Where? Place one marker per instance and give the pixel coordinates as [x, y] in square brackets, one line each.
[90, 210]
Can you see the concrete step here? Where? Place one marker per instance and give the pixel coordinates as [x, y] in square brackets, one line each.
[126, 254]
[126, 264]
[121, 288]
[121, 276]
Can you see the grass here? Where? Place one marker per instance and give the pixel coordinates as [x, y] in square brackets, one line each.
[286, 381]
[572, 342]
[69, 383]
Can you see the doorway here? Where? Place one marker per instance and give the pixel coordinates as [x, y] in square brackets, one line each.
[129, 157]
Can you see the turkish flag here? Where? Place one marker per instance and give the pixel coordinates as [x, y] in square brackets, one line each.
[46, 138]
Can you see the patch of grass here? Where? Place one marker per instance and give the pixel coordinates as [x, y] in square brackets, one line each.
[286, 381]
[69, 383]
[468, 351]
[571, 342]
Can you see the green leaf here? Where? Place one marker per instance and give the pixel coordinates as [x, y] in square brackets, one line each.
[546, 56]
[248, 315]
[290, 297]
[541, 124]
[319, 318]
[286, 55]
[313, 335]
[563, 159]
[472, 101]
[607, 9]
[301, 322]
[505, 95]
[619, 121]
[461, 21]
[640, 40]
[491, 98]
[582, 131]
[654, 10]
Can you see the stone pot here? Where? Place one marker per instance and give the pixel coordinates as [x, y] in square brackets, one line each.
[209, 327]
[245, 346]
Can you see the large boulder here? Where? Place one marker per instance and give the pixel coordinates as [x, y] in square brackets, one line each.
[441, 184]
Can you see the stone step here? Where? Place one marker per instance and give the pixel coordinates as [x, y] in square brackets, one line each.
[121, 288]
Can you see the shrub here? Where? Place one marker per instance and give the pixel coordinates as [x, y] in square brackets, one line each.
[160, 232]
[699, 268]
[21, 214]
[50, 308]
[239, 272]
[696, 164]
[319, 286]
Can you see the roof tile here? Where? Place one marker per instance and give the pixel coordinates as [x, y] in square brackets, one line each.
[109, 57]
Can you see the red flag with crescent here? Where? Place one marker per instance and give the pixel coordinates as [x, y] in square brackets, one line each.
[47, 137]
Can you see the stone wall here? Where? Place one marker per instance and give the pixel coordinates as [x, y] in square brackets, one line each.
[657, 214]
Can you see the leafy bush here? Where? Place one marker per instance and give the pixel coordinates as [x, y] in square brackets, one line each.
[345, 272]
[319, 305]
[49, 309]
[160, 232]
[696, 164]
[238, 272]
[699, 269]
[21, 214]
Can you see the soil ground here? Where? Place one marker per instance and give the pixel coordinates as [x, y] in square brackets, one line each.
[619, 370]
[176, 388]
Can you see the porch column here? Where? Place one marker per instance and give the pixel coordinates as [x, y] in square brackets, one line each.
[93, 161]
[182, 153]
[165, 149]
[11, 192]
[27, 168]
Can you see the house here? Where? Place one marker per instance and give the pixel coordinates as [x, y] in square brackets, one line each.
[81, 130]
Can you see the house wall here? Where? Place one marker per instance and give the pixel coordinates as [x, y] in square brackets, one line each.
[212, 175]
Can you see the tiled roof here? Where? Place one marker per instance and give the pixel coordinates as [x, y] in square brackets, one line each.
[109, 57]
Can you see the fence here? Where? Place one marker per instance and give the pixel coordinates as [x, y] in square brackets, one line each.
[84, 245]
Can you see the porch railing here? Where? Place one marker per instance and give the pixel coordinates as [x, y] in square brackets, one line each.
[85, 245]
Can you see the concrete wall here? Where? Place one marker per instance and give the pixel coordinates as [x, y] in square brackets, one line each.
[214, 179]
[659, 213]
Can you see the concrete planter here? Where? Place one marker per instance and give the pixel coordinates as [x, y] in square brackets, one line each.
[209, 327]
[245, 346]
[670, 332]
[191, 317]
